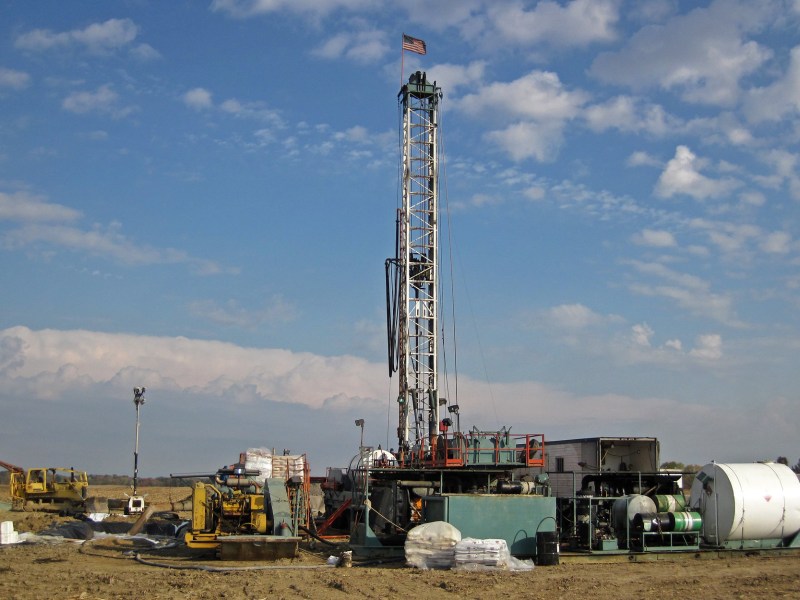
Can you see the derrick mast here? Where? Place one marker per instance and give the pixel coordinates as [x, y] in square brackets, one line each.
[417, 266]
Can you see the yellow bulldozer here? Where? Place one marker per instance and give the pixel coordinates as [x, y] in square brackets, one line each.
[55, 489]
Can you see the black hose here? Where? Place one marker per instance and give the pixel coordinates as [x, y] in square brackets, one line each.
[316, 537]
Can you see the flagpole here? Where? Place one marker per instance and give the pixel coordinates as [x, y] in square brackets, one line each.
[402, 58]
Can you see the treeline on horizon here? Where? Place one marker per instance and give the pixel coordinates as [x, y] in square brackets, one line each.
[124, 480]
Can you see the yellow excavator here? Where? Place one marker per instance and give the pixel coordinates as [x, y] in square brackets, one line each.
[55, 489]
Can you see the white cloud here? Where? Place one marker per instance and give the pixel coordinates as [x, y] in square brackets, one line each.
[145, 52]
[14, 80]
[682, 176]
[537, 105]
[198, 98]
[363, 47]
[243, 9]
[539, 95]
[103, 100]
[107, 242]
[728, 237]
[774, 102]
[753, 198]
[451, 77]
[257, 111]
[707, 347]
[573, 316]
[654, 238]
[686, 291]
[641, 158]
[28, 208]
[785, 167]
[97, 37]
[630, 115]
[777, 242]
[701, 54]
[641, 334]
[524, 140]
[576, 23]
[64, 359]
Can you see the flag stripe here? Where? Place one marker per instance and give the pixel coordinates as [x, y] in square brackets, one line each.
[413, 44]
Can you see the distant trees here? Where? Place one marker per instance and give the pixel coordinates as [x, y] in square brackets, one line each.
[688, 471]
[126, 480]
[122, 480]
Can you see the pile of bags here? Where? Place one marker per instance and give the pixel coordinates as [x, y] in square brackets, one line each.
[439, 545]
[432, 545]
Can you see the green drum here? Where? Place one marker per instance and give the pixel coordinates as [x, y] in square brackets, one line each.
[670, 503]
[686, 521]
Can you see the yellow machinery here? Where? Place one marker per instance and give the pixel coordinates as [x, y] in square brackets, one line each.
[241, 515]
[57, 489]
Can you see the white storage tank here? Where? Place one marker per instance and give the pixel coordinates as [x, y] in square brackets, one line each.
[625, 509]
[750, 501]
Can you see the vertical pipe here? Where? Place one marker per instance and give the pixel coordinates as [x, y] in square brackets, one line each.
[136, 453]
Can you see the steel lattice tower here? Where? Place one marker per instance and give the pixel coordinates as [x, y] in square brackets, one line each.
[419, 266]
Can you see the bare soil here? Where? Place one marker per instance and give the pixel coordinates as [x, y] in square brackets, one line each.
[107, 568]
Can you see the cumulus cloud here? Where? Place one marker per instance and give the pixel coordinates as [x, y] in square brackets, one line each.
[779, 99]
[257, 111]
[682, 176]
[654, 238]
[708, 347]
[104, 100]
[13, 80]
[451, 77]
[537, 106]
[68, 358]
[97, 37]
[244, 9]
[702, 54]
[29, 208]
[777, 242]
[363, 47]
[198, 99]
[630, 115]
[539, 95]
[785, 171]
[640, 158]
[576, 23]
[574, 316]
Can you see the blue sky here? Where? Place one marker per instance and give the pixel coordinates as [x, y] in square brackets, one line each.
[199, 197]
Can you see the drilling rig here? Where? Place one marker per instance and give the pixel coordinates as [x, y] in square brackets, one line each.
[439, 472]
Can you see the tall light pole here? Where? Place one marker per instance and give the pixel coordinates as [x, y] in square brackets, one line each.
[360, 423]
[138, 400]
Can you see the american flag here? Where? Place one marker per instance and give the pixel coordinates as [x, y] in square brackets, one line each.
[413, 44]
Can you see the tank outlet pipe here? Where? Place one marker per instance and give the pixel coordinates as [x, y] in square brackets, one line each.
[418, 484]
[516, 487]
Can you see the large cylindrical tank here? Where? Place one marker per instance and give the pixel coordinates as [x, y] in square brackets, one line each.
[751, 501]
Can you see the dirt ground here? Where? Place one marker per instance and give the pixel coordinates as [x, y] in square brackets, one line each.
[105, 568]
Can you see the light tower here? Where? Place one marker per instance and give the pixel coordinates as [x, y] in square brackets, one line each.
[136, 502]
[414, 313]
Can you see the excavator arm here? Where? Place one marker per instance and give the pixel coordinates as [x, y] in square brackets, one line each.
[12, 468]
